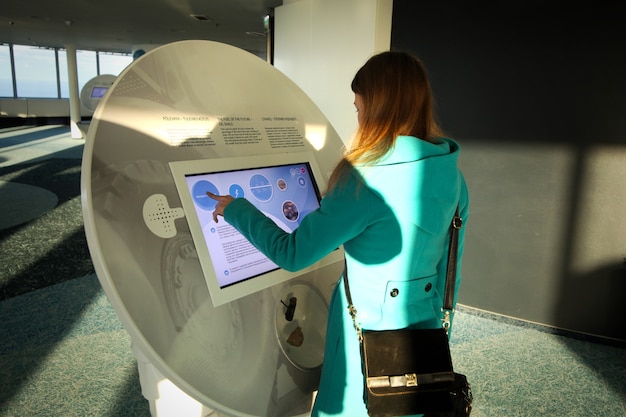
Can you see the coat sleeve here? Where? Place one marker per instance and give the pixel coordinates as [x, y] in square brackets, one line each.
[342, 215]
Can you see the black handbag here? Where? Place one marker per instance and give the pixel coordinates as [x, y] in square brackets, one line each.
[409, 371]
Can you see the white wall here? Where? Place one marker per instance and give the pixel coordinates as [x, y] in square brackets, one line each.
[34, 107]
[320, 44]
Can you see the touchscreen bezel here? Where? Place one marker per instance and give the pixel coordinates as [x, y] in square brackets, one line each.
[183, 169]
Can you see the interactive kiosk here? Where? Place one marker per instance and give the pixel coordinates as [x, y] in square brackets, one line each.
[93, 91]
[208, 315]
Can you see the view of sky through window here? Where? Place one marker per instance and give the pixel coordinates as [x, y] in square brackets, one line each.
[36, 70]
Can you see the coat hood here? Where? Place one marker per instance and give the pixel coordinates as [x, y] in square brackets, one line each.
[420, 179]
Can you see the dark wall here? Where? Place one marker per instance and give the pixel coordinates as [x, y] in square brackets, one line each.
[537, 99]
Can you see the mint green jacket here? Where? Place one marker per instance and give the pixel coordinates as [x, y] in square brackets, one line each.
[392, 219]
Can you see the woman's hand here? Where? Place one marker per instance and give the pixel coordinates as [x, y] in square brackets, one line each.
[222, 202]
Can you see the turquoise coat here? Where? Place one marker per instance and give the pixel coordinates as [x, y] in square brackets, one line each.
[392, 219]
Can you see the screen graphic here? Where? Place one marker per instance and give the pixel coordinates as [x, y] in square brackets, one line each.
[98, 92]
[284, 193]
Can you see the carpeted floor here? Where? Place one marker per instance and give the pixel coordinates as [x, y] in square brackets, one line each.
[64, 352]
[51, 247]
[518, 369]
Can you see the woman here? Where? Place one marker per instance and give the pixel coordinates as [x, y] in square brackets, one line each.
[390, 202]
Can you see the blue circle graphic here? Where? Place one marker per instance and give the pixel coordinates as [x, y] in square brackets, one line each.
[236, 191]
[198, 193]
[261, 187]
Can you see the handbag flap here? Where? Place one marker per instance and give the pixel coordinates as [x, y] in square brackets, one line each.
[417, 359]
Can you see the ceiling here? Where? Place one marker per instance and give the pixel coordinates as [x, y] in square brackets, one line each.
[124, 25]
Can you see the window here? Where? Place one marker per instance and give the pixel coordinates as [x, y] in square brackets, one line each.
[35, 72]
[113, 64]
[86, 68]
[6, 79]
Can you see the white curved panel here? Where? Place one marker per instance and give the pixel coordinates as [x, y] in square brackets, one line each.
[184, 101]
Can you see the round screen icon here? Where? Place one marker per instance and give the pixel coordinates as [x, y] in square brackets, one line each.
[236, 191]
[202, 200]
[291, 211]
[261, 187]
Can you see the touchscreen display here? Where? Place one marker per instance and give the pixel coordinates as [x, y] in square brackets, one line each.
[284, 193]
[98, 92]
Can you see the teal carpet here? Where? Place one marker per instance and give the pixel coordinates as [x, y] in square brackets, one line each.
[51, 246]
[64, 352]
[522, 370]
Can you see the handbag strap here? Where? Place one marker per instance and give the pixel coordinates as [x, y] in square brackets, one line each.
[451, 268]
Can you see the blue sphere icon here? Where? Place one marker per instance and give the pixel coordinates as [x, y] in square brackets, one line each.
[236, 191]
[261, 187]
[200, 198]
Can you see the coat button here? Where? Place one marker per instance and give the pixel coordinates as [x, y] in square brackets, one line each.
[429, 286]
[394, 292]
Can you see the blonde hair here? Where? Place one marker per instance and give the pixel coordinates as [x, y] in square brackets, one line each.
[397, 101]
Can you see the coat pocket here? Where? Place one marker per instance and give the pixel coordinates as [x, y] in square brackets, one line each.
[412, 302]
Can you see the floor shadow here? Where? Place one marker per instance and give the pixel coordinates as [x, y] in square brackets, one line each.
[52, 248]
[607, 362]
[32, 325]
[26, 135]
[130, 400]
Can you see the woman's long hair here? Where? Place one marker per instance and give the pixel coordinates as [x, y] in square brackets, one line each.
[397, 101]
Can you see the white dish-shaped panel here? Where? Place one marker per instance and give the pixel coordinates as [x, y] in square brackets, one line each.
[183, 101]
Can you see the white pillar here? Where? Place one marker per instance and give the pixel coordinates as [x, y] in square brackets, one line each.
[320, 44]
[72, 82]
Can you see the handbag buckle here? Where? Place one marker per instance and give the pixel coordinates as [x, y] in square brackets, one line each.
[356, 325]
[457, 222]
[411, 380]
[446, 319]
[395, 381]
